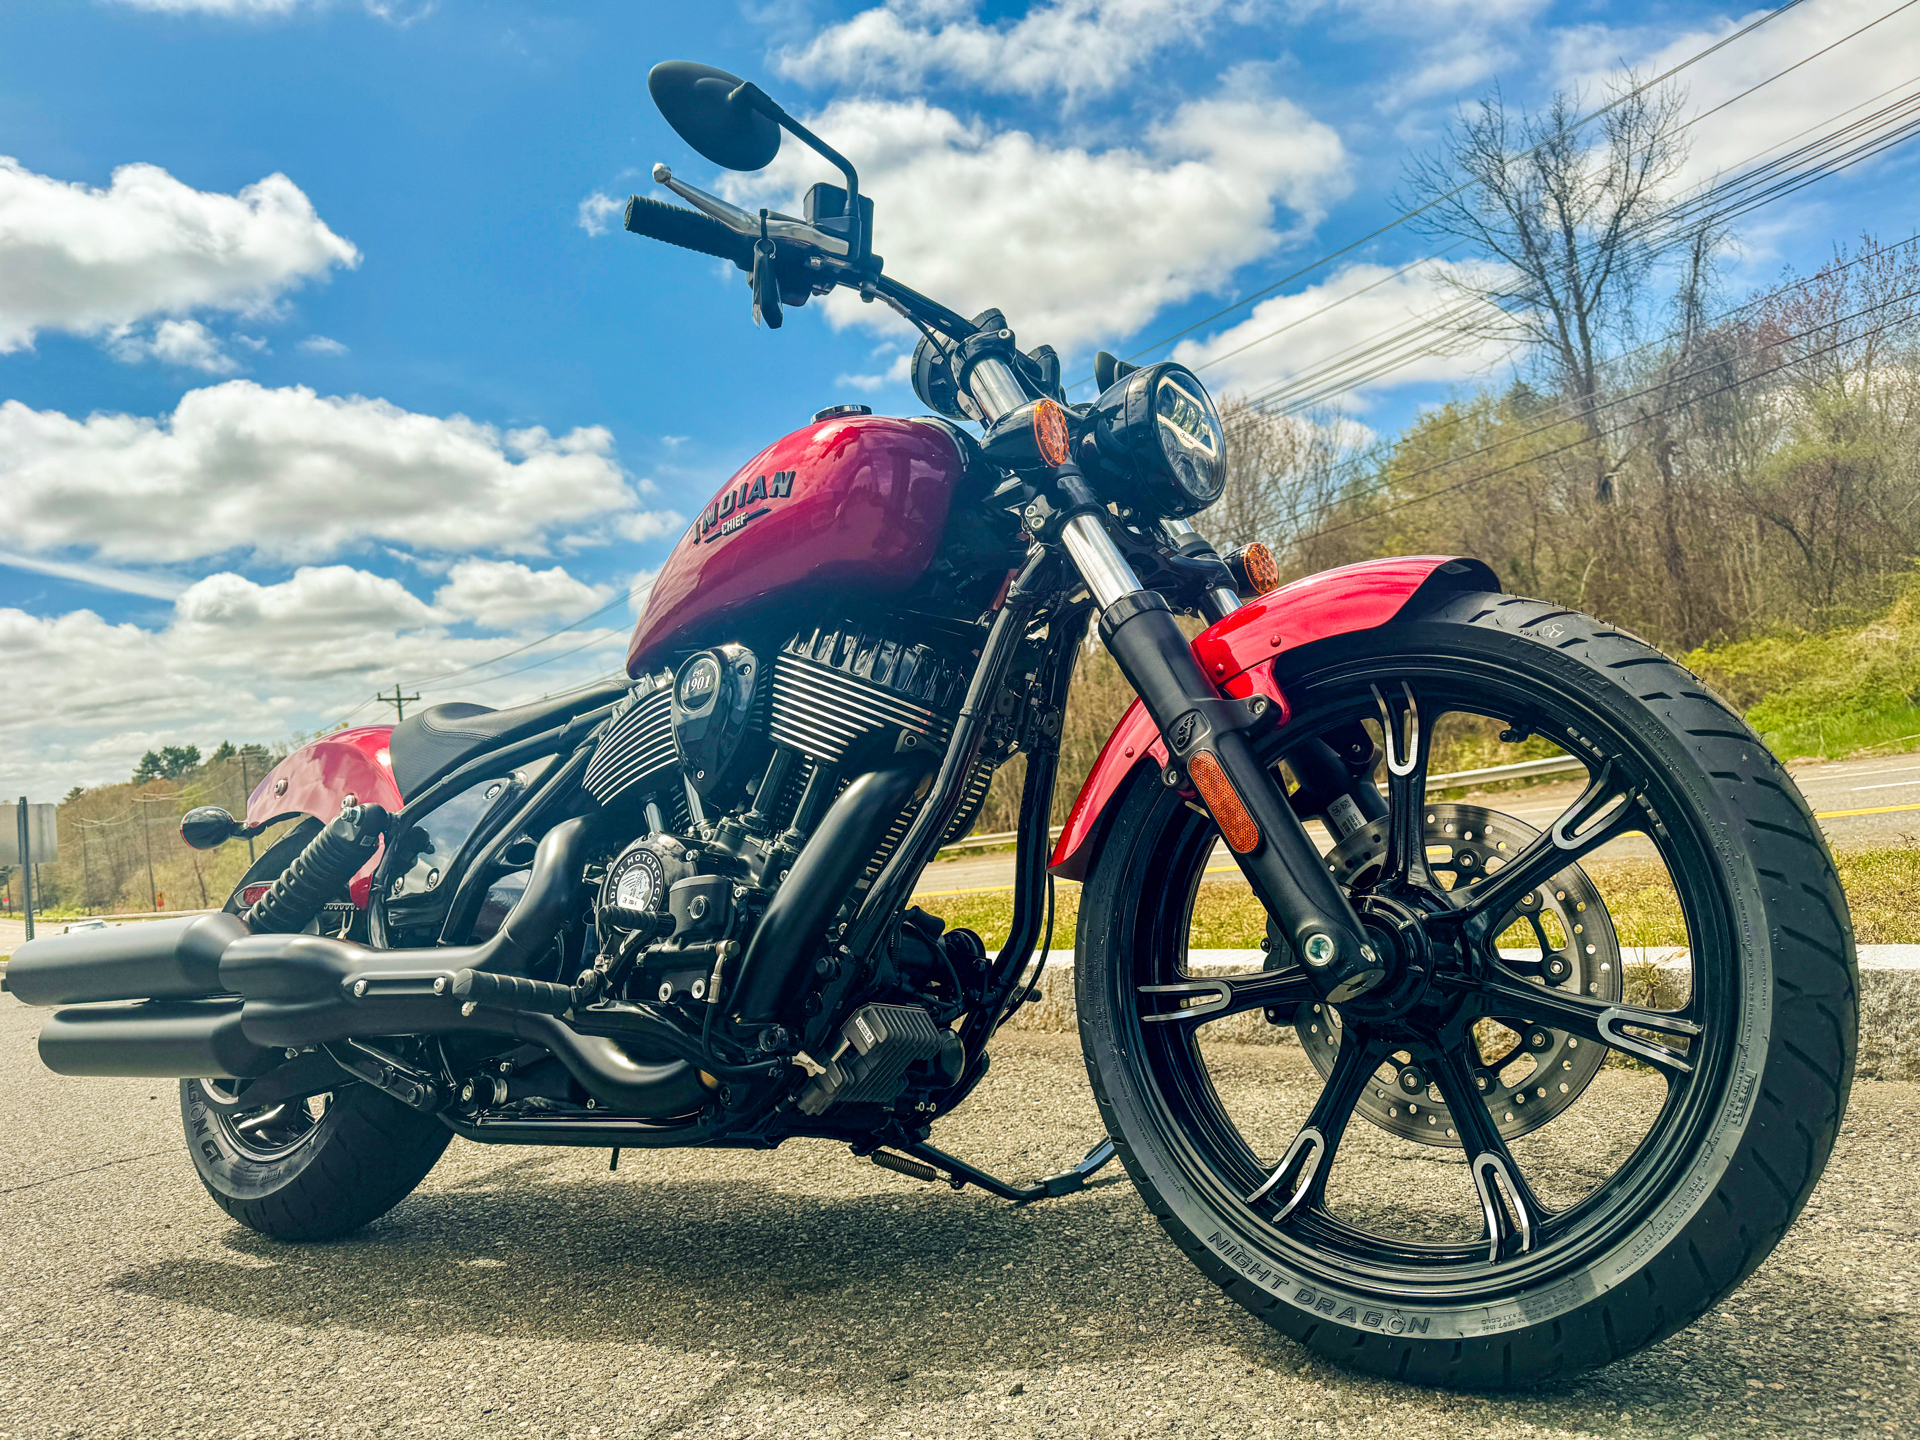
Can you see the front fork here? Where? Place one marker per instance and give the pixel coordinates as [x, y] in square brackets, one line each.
[1208, 752]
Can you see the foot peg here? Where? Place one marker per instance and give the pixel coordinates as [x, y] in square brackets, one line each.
[928, 1162]
[511, 993]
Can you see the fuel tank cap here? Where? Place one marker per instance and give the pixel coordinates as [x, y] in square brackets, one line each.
[834, 410]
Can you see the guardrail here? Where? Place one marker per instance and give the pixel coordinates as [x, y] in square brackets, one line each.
[1517, 771]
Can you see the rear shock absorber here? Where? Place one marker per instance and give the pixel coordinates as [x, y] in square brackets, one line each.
[320, 871]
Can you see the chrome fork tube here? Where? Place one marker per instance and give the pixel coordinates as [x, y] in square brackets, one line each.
[1220, 602]
[1098, 559]
[995, 388]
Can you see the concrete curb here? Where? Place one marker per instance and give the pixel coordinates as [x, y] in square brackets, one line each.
[1890, 1001]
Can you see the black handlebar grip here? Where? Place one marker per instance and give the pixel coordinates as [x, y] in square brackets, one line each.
[688, 229]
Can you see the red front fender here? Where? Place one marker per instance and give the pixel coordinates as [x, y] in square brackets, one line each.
[1236, 654]
[317, 779]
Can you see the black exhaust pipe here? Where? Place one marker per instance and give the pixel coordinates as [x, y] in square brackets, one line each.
[281, 990]
[154, 1038]
[174, 959]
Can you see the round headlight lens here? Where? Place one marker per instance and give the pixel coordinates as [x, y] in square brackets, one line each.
[1159, 434]
[1193, 442]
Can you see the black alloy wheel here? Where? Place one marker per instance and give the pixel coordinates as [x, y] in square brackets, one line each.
[1516, 1209]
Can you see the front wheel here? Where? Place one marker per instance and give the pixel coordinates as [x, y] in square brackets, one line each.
[1609, 1060]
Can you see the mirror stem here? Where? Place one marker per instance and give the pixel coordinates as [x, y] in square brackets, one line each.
[748, 93]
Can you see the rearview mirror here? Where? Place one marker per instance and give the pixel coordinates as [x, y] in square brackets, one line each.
[710, 111]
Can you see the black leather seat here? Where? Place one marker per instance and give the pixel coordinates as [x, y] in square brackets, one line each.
[432, 742]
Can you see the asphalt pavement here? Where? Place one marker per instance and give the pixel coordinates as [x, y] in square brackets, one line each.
[524, 1292]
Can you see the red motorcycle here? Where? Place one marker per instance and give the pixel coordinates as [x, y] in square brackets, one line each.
[674, 911]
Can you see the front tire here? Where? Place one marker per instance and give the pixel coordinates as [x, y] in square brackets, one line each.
[1742, 1081]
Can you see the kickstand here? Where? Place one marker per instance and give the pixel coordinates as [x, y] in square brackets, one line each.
[959, 1173]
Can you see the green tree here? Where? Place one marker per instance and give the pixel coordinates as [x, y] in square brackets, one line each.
[169, 763]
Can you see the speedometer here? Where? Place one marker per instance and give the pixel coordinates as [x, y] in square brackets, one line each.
[1159, 434]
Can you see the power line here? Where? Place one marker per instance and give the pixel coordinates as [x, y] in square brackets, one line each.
[1403, 218]
[1426, 260]
[1612, 430]
[1740, 194]
[1567, 408]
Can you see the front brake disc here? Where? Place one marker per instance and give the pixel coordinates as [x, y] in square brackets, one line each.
[1559, 936]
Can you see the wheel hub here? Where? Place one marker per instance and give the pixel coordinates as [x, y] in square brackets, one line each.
[1560, 936]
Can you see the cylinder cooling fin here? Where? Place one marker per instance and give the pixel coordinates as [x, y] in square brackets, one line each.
[637, 752]
[836, 686]
[831, 693]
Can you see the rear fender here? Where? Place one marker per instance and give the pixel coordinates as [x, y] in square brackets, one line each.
[317, 779]
[1238, 655]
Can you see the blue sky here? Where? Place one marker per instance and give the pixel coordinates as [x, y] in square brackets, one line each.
[352, 378]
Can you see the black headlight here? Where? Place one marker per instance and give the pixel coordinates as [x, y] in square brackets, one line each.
[1160, 436]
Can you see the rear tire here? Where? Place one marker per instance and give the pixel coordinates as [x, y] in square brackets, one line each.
[1696, 1204]
[320, 1177]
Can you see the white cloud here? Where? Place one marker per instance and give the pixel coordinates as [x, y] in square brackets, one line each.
[1317, 324]
[321, 345]
[252, 661]
[502, 593]
[185, 343]
[1591, 57]
[106, 577]
[1074, 245]
[1074, 46]
[597, 210]
[899, 371]
[320, 603]
[91, 261]
[644, 525]
[286, 473]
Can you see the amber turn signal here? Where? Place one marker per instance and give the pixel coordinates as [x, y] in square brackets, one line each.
[1050, 433]
[1255, 570]
[1223, 802]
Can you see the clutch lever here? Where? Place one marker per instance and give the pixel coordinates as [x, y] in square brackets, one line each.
[774, 227]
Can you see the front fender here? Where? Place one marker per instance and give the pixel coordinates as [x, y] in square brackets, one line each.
[316, 780]
[1237, 654]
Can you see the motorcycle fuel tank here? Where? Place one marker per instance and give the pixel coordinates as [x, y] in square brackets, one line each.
[847, 509]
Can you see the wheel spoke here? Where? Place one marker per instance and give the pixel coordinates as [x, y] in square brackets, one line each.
[1301, 1176]
[1604, 810]
[1227, 995]
[1602, 1022]
[1509, 1208]
[1407, 736]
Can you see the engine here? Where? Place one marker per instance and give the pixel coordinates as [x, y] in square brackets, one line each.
[724, 766]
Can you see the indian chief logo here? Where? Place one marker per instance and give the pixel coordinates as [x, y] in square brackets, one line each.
[733, 507]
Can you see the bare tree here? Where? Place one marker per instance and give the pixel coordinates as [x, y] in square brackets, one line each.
[1566, 218]
[1286, 474]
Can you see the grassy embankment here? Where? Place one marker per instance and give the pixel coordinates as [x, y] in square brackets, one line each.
[1881, 886]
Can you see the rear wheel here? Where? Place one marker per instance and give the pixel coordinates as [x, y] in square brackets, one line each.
[311, 1169]
[315, 1167]
[1517, 1209]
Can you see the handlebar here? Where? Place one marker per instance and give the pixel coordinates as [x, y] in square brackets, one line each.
[688, 229]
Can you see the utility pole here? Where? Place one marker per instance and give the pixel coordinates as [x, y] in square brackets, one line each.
[26, 868]
[153, 893]
[246, 790]
[86, 868]
[397, 701]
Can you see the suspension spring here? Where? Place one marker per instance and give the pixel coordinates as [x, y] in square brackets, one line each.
[320, 871]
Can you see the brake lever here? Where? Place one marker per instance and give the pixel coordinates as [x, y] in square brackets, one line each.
[766, 284]
[776, 227]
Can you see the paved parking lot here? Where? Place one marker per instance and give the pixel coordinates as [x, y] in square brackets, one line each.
[529, 1292]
